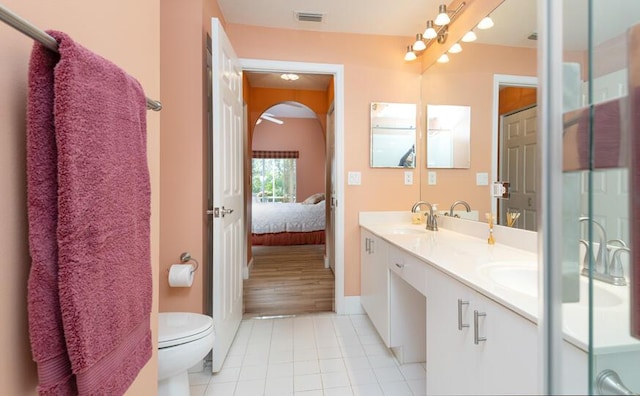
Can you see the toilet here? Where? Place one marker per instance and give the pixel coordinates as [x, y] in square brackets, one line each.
[184, 339]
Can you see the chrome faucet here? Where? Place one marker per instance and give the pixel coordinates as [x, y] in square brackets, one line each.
[432, 218]
[609, 272]
[616, 272]
[602, 258]
[453, 205]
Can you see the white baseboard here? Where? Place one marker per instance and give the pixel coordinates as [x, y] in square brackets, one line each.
[352, 305]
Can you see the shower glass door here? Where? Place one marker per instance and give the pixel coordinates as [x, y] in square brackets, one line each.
[599, 351]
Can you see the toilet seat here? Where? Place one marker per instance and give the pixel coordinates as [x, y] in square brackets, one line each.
[177, 328]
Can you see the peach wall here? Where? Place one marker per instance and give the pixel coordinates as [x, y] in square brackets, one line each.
[374, 71]
[125, 32]
[297, 134]
[468, 80]
[183, 27]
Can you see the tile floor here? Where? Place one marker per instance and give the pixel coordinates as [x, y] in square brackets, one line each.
[319, 354]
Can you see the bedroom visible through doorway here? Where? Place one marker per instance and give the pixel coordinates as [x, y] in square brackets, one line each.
[288, 206]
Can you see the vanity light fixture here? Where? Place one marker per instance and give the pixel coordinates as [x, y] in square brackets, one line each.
[485, 23]
[442, 21]
[429, 31]
[289, 76]
[444, 58]
[443, 17]
[456, 48]
[419, 45]
[410, 55]
[469, 37]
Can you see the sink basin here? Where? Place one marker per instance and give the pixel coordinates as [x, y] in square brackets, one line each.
[520, 279]
[524, 279]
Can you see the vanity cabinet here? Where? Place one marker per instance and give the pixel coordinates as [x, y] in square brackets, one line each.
[374, 282]
[497, 353]
[408, 314]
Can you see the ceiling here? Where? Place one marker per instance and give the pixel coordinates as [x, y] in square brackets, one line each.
[515, 21]
[312, 82]
[399, 18]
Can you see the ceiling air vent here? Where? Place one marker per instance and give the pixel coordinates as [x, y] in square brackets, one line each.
[308, 16]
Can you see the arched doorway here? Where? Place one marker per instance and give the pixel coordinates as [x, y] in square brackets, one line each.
[288, 213]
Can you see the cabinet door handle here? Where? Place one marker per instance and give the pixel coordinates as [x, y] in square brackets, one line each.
[401, 266]
[366, 245]
[460, 304]
[476, 331]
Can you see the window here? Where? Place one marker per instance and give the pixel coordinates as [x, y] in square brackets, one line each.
[273, 176]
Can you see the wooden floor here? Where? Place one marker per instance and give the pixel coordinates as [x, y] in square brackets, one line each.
[288, 280]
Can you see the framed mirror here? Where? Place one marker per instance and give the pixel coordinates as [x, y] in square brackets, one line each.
[393, 135]
[448, 136]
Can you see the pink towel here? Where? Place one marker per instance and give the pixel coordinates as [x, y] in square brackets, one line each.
[102, 227]
[606, 127]
[45, 319]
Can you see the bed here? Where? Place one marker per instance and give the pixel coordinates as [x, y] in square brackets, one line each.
[288, 223]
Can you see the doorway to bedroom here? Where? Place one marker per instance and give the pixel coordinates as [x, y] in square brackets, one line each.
[288, 206]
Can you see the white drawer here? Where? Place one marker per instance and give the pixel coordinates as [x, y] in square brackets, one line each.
[409, 268]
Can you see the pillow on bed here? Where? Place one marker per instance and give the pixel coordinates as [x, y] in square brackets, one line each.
[314, 199]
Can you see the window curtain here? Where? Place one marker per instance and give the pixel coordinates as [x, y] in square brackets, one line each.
[275, 154]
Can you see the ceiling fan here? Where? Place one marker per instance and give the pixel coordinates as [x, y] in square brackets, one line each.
[269, 117]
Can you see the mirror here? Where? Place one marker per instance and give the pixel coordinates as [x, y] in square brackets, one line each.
[448, 133]
[475, 78]
[393, 135]
[504, 57]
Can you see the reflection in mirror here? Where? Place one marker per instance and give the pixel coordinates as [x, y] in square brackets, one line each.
[393, 135]
[475, 77]
[448, 134]
[517, 158]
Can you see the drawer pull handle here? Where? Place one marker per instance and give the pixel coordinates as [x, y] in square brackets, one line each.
[401, 266]
[476, 331]
[460, 304]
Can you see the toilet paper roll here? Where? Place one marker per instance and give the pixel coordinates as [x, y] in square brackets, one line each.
[181, 275]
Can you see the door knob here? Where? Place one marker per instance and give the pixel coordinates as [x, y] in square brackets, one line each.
[219, 212]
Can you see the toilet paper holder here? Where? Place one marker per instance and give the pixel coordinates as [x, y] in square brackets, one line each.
[185, 257]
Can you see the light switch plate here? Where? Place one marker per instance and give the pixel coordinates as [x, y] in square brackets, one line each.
[482, 179]
[408, 177]
[431, 178]
[354, 178]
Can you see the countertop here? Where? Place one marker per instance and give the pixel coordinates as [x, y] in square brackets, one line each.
[460, 249]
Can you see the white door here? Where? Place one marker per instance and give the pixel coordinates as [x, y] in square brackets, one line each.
[518, 165]
[228, 199]
[330, 193]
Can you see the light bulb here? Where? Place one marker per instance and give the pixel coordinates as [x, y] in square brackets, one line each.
[430, 32]
[289, 76]
[443, 17]
[444, 58]
[485, 23]
[419, 45]
[456, 48]
[410, 55]
[469, 37]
